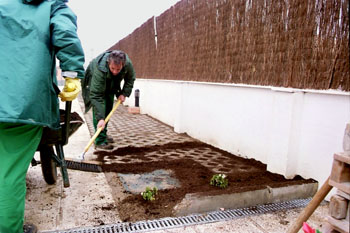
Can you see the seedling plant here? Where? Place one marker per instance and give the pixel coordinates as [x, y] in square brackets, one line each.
[149, 194]
[219, 180]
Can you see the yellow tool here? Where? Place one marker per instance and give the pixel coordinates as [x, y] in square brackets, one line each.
[98, 131]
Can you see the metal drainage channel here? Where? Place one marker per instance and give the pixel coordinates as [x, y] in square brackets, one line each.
[194, 219]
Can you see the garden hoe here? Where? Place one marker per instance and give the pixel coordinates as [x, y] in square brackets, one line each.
[78, 164]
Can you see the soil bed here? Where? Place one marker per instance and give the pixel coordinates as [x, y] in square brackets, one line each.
[193, 177]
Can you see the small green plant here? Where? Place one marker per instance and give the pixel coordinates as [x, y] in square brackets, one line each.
[219, 180]
[149, 194]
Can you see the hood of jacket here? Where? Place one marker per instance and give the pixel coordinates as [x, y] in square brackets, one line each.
[102, 62]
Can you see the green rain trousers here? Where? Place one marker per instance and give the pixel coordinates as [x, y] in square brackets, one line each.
[18, 143]
[102, 137]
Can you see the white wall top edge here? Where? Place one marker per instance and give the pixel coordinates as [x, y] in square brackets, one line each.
[279, 89]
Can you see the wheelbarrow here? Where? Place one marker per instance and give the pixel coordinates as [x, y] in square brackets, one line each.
[57, 139]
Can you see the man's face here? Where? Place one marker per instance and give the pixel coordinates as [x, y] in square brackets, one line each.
[115, 68]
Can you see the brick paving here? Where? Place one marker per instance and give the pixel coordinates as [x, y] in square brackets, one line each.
[140, 131]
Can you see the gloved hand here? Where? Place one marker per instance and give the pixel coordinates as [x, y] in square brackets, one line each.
[71, 89]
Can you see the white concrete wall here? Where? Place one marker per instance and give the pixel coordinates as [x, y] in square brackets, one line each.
[293, 131]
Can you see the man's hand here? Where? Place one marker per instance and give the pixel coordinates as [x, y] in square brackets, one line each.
[101, 124]
[71, 89]
[121, 98]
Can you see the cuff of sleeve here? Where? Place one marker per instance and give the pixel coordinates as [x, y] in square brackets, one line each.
[125, 94]
[69, 74]
[99, 117]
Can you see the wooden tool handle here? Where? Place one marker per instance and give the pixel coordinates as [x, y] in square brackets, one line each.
[98, 131]
[310, 208]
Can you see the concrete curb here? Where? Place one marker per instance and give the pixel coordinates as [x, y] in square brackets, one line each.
[195, 203]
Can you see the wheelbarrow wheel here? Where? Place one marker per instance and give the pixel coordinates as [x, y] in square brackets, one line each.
[48, 165]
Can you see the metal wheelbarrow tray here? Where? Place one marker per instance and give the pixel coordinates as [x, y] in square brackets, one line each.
[57, 138]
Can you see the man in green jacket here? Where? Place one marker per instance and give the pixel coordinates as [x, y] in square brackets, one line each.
[102, 82]
[33, 33]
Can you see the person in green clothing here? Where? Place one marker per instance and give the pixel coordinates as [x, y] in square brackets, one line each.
[33, 33]
[102, 82]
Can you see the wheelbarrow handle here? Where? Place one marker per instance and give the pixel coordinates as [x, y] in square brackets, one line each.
[67, 122]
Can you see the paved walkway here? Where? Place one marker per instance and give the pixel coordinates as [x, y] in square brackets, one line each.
[90, 201]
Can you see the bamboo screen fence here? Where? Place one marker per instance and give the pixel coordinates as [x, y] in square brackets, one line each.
[290, 43]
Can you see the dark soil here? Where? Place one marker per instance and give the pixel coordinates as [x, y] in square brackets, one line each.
[74, 116]
[193, 176]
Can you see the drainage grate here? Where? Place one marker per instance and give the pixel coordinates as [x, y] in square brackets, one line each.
[194, 219]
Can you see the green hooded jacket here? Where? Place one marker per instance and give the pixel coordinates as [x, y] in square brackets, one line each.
[99, 83]
[33, 33]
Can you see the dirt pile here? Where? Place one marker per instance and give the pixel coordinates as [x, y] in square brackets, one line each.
[243, 175]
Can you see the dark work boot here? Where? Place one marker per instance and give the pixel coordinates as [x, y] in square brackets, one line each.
[104, 146]
[29, 228]
[110, 139]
